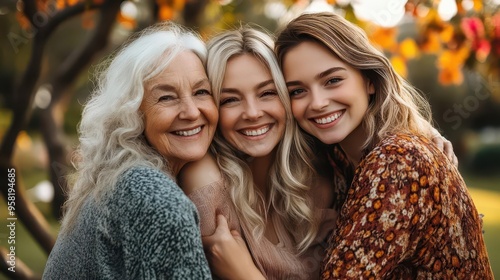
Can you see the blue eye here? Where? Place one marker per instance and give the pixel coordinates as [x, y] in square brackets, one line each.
[333, 81]
[203, 92]
[296, 92]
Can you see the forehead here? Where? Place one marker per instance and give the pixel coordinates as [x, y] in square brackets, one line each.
[309, 57]
[185, 64]
[245, 68]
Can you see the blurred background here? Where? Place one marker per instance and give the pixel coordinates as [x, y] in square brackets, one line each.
[49, 50]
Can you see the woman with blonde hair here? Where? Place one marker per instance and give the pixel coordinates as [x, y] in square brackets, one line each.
[407, 214]
[259, 174]
[262, 175]
[151, 113]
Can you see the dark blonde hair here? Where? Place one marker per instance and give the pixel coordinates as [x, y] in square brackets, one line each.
[291, 173]
[396, 105]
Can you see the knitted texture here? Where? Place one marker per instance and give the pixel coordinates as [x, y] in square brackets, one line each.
[145, 229]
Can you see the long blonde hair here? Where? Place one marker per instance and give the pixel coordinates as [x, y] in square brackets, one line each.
[111, 129]
[396, 106]
[291, 172]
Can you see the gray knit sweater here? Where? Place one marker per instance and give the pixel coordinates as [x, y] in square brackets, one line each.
[146, 229]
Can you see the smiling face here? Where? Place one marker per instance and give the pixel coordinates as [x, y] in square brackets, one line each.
[180, 115]
[329, 98]
[252, 117]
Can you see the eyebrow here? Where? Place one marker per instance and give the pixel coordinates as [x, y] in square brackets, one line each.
[167, 87]
[259, 86]
[319, 76]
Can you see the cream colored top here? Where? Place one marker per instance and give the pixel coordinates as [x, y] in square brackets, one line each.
[275, 261]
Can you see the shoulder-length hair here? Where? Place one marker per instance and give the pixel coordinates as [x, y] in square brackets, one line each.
[291, 173]
[396, 105]
[111, 129]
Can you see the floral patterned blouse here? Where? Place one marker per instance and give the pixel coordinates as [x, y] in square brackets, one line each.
[407, 215]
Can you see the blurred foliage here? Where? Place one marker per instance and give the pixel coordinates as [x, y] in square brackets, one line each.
[454, 62]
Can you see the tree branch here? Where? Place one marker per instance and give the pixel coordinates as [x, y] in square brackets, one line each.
[22, 271]
[65, 76]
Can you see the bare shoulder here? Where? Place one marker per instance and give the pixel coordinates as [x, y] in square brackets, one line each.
[195, 175]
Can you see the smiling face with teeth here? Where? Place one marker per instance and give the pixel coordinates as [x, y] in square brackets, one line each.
[180, 116]
[329, 97]
[252, 117]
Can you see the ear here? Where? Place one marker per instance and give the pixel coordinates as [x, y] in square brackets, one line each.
[370, 88]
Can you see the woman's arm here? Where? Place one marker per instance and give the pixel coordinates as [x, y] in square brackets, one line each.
[228, 255]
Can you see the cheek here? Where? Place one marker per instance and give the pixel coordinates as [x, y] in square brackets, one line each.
[280, 114]
[298, 109]
[211, 113]
[226, 122]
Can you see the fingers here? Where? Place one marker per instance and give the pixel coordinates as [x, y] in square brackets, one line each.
[438, 140]
[448, 150]
[221, 232]
[222, 225]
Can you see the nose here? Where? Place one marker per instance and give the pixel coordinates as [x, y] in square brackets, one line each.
[189, 110]
[319, 100]
[252, 110]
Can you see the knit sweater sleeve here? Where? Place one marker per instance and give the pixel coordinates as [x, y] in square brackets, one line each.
[158, 227]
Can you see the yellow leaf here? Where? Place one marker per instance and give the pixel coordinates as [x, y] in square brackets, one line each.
[399, 65]
[384, 37]
[478, 5]
[23, 141]
[408, 49]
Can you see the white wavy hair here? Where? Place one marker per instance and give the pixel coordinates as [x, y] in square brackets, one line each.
[291, 173]
[111, 129]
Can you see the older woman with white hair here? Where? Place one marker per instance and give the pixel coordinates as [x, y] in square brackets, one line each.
[151, 113]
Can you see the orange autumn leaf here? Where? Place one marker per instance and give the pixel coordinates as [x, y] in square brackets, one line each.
[450, 76]
[447, 33]
[60, 4]
[126, 22]
[399, 65]
[384, 38]
[450, 60]
[165, 13]
[408, 49]
[23, 21]
[432, 44]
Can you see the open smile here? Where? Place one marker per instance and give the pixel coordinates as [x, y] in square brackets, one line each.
[189, 132]
[256, 132]
[329, 118]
